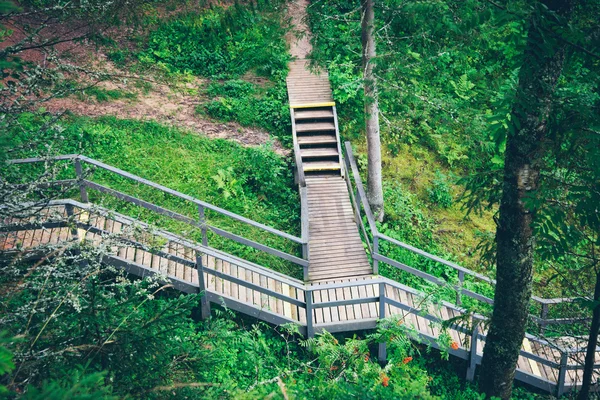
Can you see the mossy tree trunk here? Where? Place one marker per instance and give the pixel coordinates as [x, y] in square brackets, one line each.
[374, 184]
[525, 149]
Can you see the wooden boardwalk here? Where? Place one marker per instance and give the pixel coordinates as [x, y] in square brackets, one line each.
[340, 293]
[265, 294]
[335, 247]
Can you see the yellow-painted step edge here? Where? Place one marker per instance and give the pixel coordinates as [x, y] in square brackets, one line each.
[329, 104]
[310, 169]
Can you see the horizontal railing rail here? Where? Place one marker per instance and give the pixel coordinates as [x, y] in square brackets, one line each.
[202, 206]
[374, 240]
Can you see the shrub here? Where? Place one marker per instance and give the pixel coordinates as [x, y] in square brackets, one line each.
[440, 192]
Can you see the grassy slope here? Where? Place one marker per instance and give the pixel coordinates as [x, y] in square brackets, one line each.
[254, 182]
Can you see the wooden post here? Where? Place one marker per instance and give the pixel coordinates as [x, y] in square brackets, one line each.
[203, 225]
[204, 303]
[304, 226]
[461, 281]
[375, 251]
[82, 188]
[357, 209]
[310, 330]
[562, 374]
[382, 350]
[473, 351]
[70, 214]
[543, 316]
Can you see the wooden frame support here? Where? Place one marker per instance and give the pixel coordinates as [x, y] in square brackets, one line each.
[473, 351]
[382, 348]
[204, 303]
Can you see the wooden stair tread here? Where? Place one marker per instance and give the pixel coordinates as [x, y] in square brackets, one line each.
[312, 114]
[321, 166]
[315, 127]
[316, 139]
[316, 152]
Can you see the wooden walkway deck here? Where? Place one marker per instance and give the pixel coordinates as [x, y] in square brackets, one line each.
[335, 247]
[336, 304]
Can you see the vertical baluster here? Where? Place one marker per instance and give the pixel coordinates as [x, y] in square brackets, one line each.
[310, 330]
[473, 351]
[562, 374]
[204, 303]
[461, 281]
[203, 225]
[82, 189]
[375, 251]
[382, 350]
[543, 316]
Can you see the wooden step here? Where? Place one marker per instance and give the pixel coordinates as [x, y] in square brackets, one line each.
[316, 152]
[312, 114]
[316, 139]
[321, 166]
[315, 127]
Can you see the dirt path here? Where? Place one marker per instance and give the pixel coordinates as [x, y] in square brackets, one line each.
[170, 107]
[299, 37]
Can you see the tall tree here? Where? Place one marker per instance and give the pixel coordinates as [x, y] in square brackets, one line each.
[374, 185]
[526, 145]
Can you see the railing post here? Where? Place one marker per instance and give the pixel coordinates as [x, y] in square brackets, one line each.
[375, 251]
[562, 374]
[310, 330]
[357, 208]
[382, 350]
[461, 281]
[70, 214]
[203, 225]
[204, 303]
[304, 226]
[82, 188]
[473, 351]
[543, 316]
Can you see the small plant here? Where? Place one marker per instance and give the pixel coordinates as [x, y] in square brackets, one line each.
[440, 193]
[227, 183]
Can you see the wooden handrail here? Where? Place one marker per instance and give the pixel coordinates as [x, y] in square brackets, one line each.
[361, 199]
[162, 188]
[297, 156]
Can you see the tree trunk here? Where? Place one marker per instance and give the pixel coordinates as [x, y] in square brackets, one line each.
[590, 355]
[374, 185]
[525, 145]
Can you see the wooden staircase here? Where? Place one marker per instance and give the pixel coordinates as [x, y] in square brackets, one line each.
[315, 131]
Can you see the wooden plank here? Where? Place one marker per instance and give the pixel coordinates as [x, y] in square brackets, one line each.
[535, 369]
[356, 307]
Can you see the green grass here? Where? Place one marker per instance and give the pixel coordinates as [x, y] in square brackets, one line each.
[251, 181]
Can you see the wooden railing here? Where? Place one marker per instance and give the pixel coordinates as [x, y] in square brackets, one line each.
[201, 223]
[374, 240]
[472, 328]
[301, 182]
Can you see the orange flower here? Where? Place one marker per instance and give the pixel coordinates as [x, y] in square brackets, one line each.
[310, 370]
[366, 358]
[385, 380]
[406, 360]
[454, 346]
[335, 341]
[400, 322]
[333, 368]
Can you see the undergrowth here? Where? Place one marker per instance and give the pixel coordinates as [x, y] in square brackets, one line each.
[254, 182]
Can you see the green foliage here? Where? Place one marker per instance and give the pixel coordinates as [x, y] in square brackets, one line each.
[263, 189]
[440, 192]
[137, 338]
[103, 95]
[222, 42]
[250, 104]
